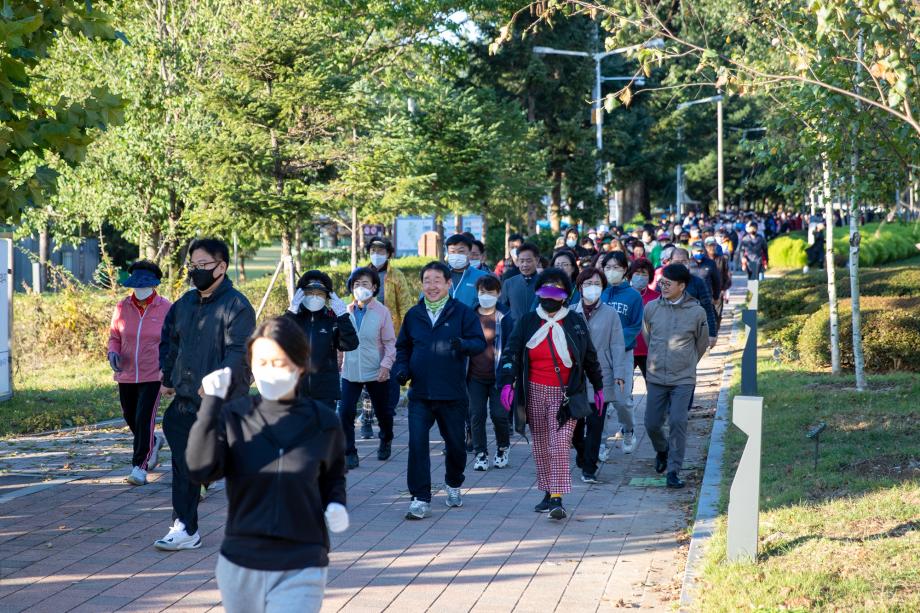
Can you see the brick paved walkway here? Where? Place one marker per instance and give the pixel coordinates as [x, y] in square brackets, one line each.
[75, 537]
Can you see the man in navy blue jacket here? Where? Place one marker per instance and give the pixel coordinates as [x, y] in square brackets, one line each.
[438, 336]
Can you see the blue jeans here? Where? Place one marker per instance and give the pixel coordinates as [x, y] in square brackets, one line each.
[450, 416]
[351, 392]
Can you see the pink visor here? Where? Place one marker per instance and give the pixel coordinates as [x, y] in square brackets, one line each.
[552, 292]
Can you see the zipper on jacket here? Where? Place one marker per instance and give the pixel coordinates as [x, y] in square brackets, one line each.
[137, 345]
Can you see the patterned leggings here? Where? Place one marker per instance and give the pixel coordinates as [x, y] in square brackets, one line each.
[551, 443]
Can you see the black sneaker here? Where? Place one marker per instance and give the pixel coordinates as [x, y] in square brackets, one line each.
[556, 510]
[469, 441]
[589, 477]
[351, 460]
[367, 428]
[543, 507]
[674, 481]
[661, 461]
[384, 451]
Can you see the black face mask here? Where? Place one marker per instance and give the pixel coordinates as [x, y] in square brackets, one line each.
[549, 305]
[202, 279]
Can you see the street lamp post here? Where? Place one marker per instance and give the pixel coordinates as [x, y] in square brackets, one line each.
[721, 176]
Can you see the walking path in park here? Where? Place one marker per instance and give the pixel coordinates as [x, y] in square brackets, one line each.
[75, 537]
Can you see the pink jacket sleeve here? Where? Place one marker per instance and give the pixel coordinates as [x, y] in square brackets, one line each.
[388, 341]
[114, 334]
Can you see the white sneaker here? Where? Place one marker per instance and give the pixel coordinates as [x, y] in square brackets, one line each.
[418, 509]
[602, 453]
[453, 497]
[137, 476]
[154, 460]
[629, 442]
[501, 458]
[482, 462]
[618, 435]
[177, 539]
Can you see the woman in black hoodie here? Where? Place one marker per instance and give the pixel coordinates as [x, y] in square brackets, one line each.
[283, 457]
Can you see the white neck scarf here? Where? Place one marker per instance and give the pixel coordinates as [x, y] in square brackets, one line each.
[551, 323]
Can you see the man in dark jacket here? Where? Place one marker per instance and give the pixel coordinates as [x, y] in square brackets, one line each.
[438, 336]
[753, 252]
[703, 267]
[699, 289]
[518, 291]
[328, 330]
[205, 330]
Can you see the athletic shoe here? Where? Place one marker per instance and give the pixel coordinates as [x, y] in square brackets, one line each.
[384, 451]
[482, 462]
[177, 539]
[543, 507]
[453, 497]
[629, 441]
[351, 460]
[602, 453]
[661, 461]
[203, 492]
[137, 476]
[367, 427]
[501, 458]
[418, 509]
[556, 510]
[674, 481]
[154, 460]
[589, 477]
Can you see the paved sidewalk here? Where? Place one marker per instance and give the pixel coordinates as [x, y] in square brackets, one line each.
[75, 537]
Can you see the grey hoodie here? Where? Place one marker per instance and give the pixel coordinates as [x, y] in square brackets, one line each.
[677, 336]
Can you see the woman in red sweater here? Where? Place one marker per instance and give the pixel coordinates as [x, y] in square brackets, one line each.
[639, 274]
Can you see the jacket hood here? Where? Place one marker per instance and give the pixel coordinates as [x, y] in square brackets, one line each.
[687, 302]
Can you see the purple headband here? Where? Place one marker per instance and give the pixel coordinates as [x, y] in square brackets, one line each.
[552, 292]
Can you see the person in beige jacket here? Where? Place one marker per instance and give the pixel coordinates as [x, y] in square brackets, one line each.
[674, 327]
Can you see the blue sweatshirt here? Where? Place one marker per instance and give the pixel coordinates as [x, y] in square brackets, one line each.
[628, 303]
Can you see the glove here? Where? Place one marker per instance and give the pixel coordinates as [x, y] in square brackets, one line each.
[297, 301]
[456, 344]
[336, 517]
[217, 383]
[338, 307]
[599, 400]
[115, 361]
[507, 397]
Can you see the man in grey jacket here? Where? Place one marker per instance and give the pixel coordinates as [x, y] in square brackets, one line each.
[518, 291]
[674, 327]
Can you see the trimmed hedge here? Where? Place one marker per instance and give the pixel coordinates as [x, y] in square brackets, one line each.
[895, 241]
[891, 335]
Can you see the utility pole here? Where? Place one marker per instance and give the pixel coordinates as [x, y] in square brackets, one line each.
[719, 154]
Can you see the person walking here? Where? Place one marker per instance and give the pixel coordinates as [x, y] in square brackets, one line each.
[462, 276]
[134, 353]
[205, 330]
[543, 372]
[482, 380]
[639, 274]
[715, 253]
[508, 267]
[606, 334]
[677, 334]
[518, 290]
[282, 455]
[368, 367]
[754, 252]
[698, 289]
[438, 336]
[565, 260]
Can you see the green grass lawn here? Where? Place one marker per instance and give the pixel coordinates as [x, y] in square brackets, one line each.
[844, 537]
[59, 394]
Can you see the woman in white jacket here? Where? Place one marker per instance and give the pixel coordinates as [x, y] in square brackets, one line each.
[368, 366]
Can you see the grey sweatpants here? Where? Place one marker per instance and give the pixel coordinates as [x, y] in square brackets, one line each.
[622, 402]
[671, 402]
[247, 590]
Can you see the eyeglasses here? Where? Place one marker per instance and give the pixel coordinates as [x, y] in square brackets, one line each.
[664, 284]
[203, 265]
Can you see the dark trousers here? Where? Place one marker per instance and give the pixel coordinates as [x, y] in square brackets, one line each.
[587, 439]
[484, 393]
[177, 423]
[450, 416]
[139, 403]
[393, 398]
[753, 270]
[671, 403]
[642, 362]
[380, 399]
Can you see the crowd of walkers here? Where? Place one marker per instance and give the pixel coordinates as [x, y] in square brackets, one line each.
[545, 346]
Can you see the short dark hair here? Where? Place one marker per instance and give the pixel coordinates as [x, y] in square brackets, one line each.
[315, 275]
[515, 237]
[619, 256]
[469, 235]
[289, 337]
[481, 245]
[146, 265]
[531, 248]
[554, 275]
[214, 247]
[364, 271]
[380, 241]
[488, 283]
[641, 264]
[572, 230]
[677, 272]
[456, 239]
[589, 272]
[439, 266]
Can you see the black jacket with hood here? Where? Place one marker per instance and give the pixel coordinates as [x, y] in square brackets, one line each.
[327, 335]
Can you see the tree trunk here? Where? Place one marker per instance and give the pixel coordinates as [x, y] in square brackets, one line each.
[507, 250]
[288, 262]
[859, 360]
[242, 269]
[354, 237]
[555, 210]
[44, 254]
[829, 266]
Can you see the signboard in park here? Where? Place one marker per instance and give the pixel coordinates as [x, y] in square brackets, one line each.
[408, 232]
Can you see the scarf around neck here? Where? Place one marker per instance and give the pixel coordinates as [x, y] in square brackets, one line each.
[551, 324]
[436, 306]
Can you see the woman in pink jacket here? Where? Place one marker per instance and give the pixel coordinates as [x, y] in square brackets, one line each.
[134, 344]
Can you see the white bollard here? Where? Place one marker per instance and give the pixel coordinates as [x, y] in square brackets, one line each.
[744, 499]
[753, 287]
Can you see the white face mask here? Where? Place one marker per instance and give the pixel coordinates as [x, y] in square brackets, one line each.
[362, 294]
[457, 260]
[571, 243]
[273, 383]
[314, 303]
[488, 301]
[614, 277]
[475, 264]
[378, 260]
[143, 293]
[591, 293]
[513, 253]
[639, 282]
